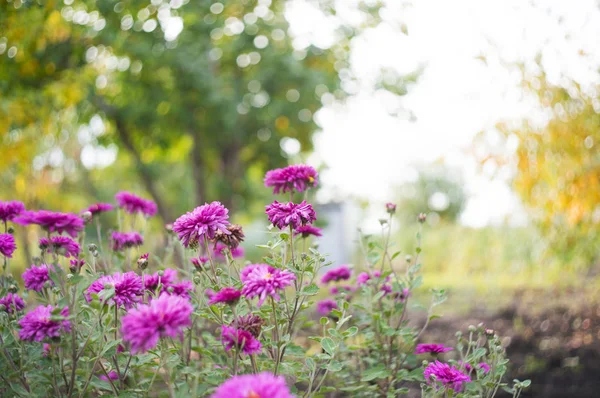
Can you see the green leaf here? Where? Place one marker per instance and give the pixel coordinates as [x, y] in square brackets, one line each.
[350, 331]
[310, 364]
[377, 372]
[328, 345]
[310, 290]
[334, 366]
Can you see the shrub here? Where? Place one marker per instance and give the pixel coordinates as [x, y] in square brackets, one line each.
[112, 321]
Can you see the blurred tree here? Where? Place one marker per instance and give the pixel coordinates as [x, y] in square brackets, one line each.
[203, 86]
[437, 191]
[558, 168]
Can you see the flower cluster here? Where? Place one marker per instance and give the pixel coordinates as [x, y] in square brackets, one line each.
[62, 245]
[240, 339]
[227, 295]
[165, 316]
[448, 376]
[202, 222]
[296, 178]
[283, 215]
[10, 210]
[44, 322]
[51, 221]
[127, 289]
[134, 204]
[12, 303]
[341, 273]
[166, 281]
[125, 240]
[7, 245]
[262, 280]
[37, 276]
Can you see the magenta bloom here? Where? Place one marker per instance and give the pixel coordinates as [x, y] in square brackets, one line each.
[341, 273]
[308, 230]
[128, 288]
[62, 245]
[285, 214]
[36, 276]
[11, 209]
[37, 325]
[98, 208]
[262, 280]
[254, 386]
[134, 204]
[202, 222]
[227, 295]
[52, 221]
[112, 375]
[448, 375]
[125, 240]
[238, 252]
[181, 289]
[363, 278]
[390, 207]
[165, 316]
[339, 289]
[431, 348]
[298, 177]
[324, 307]
[164, 278]
[7, 245]
[482, 365]
[12, 302]
[240, 339]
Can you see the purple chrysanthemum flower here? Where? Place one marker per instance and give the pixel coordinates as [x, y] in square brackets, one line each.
[11, 209]
[482, 365]
[165, 316]
[128, 288]
[262, 280]
[390, 208]
[298, 178]
[240, 339]
[202, 222]
[324, 307]
[181, 289]
[341, 273]
[134, 204]
[283, 215]
[51, 221]
[112, 375]
[12, 302]
[76, 264]
[227, 295]
[62, 245]
[7, 245]
[165, 278]
[98, 208]
[238, 252]
[36, 276]
[431, 348]
[262, 385]
[125, 240]
[37, 325]
[448, 375]
[308, 230]
[364, 277]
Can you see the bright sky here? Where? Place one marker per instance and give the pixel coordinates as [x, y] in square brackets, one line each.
[368, 151]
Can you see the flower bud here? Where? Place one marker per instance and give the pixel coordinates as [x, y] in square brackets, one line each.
[11, 230]
[95, 253]
[422, 218]
[197, 280]
[92, 247]
[390, 208]
[47, 284]
[408, 258]
[472, 328]
[13, 289]
[86, 216]
[55, 290]
[161, 273]
[37, 260]
[70, 276]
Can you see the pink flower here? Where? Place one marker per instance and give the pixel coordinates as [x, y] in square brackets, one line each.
[62, 245]
[262, 385]
[98, 208]
[11, 209]
[12, 302]
[7, 245]
[485, 368]
[38, 324]
[431, 348]
[113, 375]
[240, 339]
[299, 178]
[181, 289]
[341, 273]
[125, 240]
[127, 287]
[235, 253]
[448, 376]
[390, 208]
[283, 215]
[203, 221]
[164, 278]
[165, 316]
[51, 221]
[262, 280]
[134, 204]
[324, 307]
[35, 277]
[308, 230]
[227, 295]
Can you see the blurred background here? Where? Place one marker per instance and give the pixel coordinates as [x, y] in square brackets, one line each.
[483, 114]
